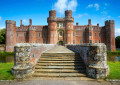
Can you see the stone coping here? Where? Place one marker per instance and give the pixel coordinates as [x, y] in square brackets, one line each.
[31, 44]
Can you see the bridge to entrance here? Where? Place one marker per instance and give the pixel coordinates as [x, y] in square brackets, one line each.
[49, 60]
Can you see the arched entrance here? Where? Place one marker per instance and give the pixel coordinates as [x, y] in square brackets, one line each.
[60, 42]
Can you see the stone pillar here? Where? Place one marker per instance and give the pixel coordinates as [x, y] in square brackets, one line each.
[97, 65]
[23, 66]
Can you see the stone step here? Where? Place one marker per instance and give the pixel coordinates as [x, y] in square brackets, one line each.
[60, 67]
[61, 64]
[60, 57]
[60, 61]
[59, 75]
[60, 71]
[65, 78]
[59, 54]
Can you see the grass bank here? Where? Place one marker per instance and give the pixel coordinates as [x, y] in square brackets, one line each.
[6, 54]
[5, 71]
[114, 70]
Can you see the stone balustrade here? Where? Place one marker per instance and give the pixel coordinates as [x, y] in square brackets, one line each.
[95, 58]
[26, 56]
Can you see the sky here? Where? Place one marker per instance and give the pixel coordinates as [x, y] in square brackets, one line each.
[38, 10]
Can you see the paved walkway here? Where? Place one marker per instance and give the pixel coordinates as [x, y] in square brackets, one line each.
[59, 49]
[57, 82]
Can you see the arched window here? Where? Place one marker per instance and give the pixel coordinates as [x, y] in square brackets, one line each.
[60, 33]
[90, 34]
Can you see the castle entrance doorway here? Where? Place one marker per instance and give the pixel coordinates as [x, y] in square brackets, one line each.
[60, 42]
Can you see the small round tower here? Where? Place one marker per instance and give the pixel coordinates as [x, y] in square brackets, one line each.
[11, 38]
[69, 27]
[52, 27]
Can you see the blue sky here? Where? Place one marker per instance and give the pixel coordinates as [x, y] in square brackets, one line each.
[38, 11]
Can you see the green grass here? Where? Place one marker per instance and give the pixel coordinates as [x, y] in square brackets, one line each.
[5, 71]
[114, 70]
[2, 54]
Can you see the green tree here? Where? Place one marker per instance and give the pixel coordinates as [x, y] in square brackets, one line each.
[2, 36]
[117, 41]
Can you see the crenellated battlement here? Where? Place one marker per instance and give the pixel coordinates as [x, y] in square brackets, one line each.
[10, 22]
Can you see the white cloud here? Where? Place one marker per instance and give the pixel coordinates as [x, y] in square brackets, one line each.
[117, 32]
[96, 6]
[90, 5]
[25, 21]
[106, 18]
[106, 4]
[104, 12]
[62, 5]
[119, 16]
[81, 15]
[72, 5]
[2, 27]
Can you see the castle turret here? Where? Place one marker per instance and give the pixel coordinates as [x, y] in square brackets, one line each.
[32, 33]
[52, 27]
[110, 35]
[68, 27]
[10, 35]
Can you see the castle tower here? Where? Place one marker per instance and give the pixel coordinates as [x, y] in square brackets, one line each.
[110, 35]
[11, 39]
[52, 27]
[68, 27]
[32, 33]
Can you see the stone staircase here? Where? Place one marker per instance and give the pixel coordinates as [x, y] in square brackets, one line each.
[60, 63]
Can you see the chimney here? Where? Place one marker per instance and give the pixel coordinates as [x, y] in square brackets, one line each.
[20, 22]
[89, 22]
[30, 22]
[77, 24]
[98, 26]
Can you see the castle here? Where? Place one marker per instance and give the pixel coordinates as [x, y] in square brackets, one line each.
[60, 31]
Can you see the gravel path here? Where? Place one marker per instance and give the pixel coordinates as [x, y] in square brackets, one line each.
[57, 82]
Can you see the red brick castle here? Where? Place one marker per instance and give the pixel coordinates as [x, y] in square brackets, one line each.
[60, 31]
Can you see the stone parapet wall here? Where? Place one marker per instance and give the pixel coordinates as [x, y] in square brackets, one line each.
[26, 56]
[95, 58]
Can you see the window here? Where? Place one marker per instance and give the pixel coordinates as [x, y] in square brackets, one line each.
[24, 34]
[80, 41]
[17, 34]
[99, 41]
[44, 34]
[73, 34]
[57, 24]
[90, 34]
[39, 34]
[90, 41]
[95, 41]
[99, 34]
[95, 34]
[60, 33]
[63, 24]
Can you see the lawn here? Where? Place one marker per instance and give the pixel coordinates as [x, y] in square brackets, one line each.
[114, 70]
[5, 71]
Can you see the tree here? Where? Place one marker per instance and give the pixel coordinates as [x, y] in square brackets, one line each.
[117, 41]
[2, 36]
